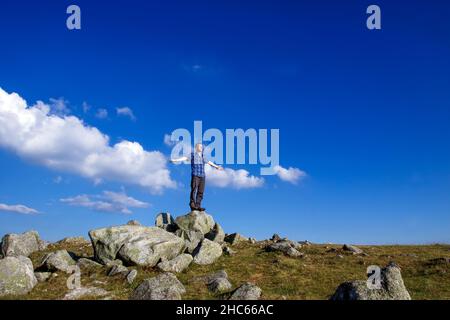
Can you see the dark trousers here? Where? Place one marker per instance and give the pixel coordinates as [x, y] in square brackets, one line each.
[197, 189]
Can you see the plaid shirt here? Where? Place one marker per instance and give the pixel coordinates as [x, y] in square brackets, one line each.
[198, 164]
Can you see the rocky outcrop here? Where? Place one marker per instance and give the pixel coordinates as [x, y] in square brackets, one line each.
[118, 270]
[135, 245]
[22, 244]
[219, 285]
[165, 286]
[57, 261]
[392, 287]
[196, 221]
[165, 221]
[290, 248]
[89, 292]
[247, 291]
[207, 252]
[85, 263]
[216, 234]
[352, 249]
[191, 238]
[16, 276]
[235, 238]
[177, 264]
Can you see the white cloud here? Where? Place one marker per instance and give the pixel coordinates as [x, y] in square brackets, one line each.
[19, 208]
[238, 179]
[168, 140]
[127, 112]
[86, 107]
[108, 201]
[67, 144]
[102, 113]
[292, 175]
[59, 106]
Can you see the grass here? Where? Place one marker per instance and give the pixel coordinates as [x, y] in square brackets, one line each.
[315, 276]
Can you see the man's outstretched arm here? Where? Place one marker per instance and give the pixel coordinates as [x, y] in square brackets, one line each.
[212, 164]
[179, 159]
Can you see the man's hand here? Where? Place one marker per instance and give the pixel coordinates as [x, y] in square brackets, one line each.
[220, 168]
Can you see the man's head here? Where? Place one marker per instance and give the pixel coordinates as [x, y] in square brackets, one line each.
[199, 147]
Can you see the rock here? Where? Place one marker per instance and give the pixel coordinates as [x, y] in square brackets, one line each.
[74, 241]
[196, 221]
[191, 238]
[112, 263]
[118, 270]
[131, 276]
[16, 276]
[207, 252]
[57, 261]
[235, 238]
[287, 247]
[177, 264]
[305, 243]
[228, 251]
[88, 263]
[392, 288]
[22, 244]
[219, 285]
[353, 249]
[210, 277]
[85, 292]
[275, 238]
[165, 286]
[135, 245]
[216, 234]
[133, 223]
[252, 240]
[42, 276]
[165, 221]
[247, 291]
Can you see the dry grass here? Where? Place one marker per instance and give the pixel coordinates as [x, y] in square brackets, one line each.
[314, 276]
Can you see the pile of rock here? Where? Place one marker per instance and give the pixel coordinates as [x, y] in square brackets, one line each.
[171, 246]
[16, 269]
[288, 247]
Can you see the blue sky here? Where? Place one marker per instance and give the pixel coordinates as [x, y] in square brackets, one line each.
[364, 113]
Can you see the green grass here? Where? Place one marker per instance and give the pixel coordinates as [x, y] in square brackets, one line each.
[315, 276]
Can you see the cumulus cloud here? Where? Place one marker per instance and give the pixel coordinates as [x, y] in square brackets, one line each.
[127, 112]
[101, 113]
[67, 144]
[108, 201]
[238, 179]
[19, 208]
[59, 106]
[292, 175]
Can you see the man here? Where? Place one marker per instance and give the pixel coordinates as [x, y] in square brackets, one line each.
[198, 162]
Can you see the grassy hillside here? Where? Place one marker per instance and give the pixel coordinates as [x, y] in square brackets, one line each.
[314, 276]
